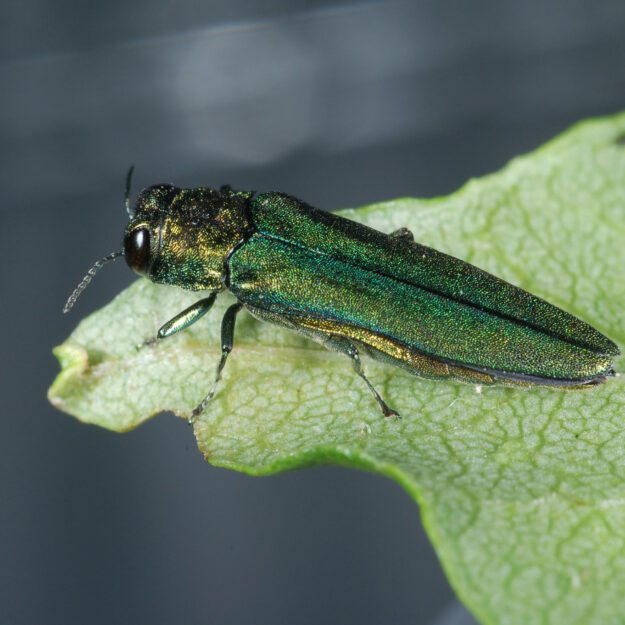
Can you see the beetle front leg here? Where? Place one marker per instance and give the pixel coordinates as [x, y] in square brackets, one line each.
[184, 319]
[227, 339]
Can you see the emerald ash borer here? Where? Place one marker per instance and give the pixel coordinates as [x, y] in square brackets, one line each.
[353, 289]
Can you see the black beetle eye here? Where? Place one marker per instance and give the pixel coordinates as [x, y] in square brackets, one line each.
[137, 250]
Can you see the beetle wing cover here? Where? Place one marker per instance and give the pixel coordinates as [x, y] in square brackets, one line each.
[303, 262]
[284, 217]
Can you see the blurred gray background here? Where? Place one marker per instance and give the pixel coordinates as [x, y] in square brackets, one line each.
[337, 103]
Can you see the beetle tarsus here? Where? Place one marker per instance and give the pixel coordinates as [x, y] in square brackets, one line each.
[147, 343]
[389, 412]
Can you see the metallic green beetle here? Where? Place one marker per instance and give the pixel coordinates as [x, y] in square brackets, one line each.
[353, 289]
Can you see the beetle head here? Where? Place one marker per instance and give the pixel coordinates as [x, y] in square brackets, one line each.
[180, 237]
[183, 237]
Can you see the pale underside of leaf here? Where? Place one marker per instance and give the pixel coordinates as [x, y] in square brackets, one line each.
[521, 491]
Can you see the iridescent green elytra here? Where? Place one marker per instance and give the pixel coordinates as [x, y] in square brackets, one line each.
[354, 290]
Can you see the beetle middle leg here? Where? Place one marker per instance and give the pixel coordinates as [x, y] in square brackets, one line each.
[227, 339]
[346, 347]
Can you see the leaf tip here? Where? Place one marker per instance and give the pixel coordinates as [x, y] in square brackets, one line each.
[74, 361]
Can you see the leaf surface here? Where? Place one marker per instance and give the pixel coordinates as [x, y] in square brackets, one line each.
[521, 491]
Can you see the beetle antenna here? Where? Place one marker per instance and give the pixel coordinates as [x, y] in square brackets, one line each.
[84, 283]
[127, 194]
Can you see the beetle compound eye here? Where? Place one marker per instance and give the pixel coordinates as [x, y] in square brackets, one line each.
[137, 250]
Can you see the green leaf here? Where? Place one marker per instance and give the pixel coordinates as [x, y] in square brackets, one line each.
[521, 491]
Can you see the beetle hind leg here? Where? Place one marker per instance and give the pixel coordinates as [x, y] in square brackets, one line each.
[346, 347]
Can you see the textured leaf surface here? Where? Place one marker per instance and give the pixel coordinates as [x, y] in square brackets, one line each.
[521, 491]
